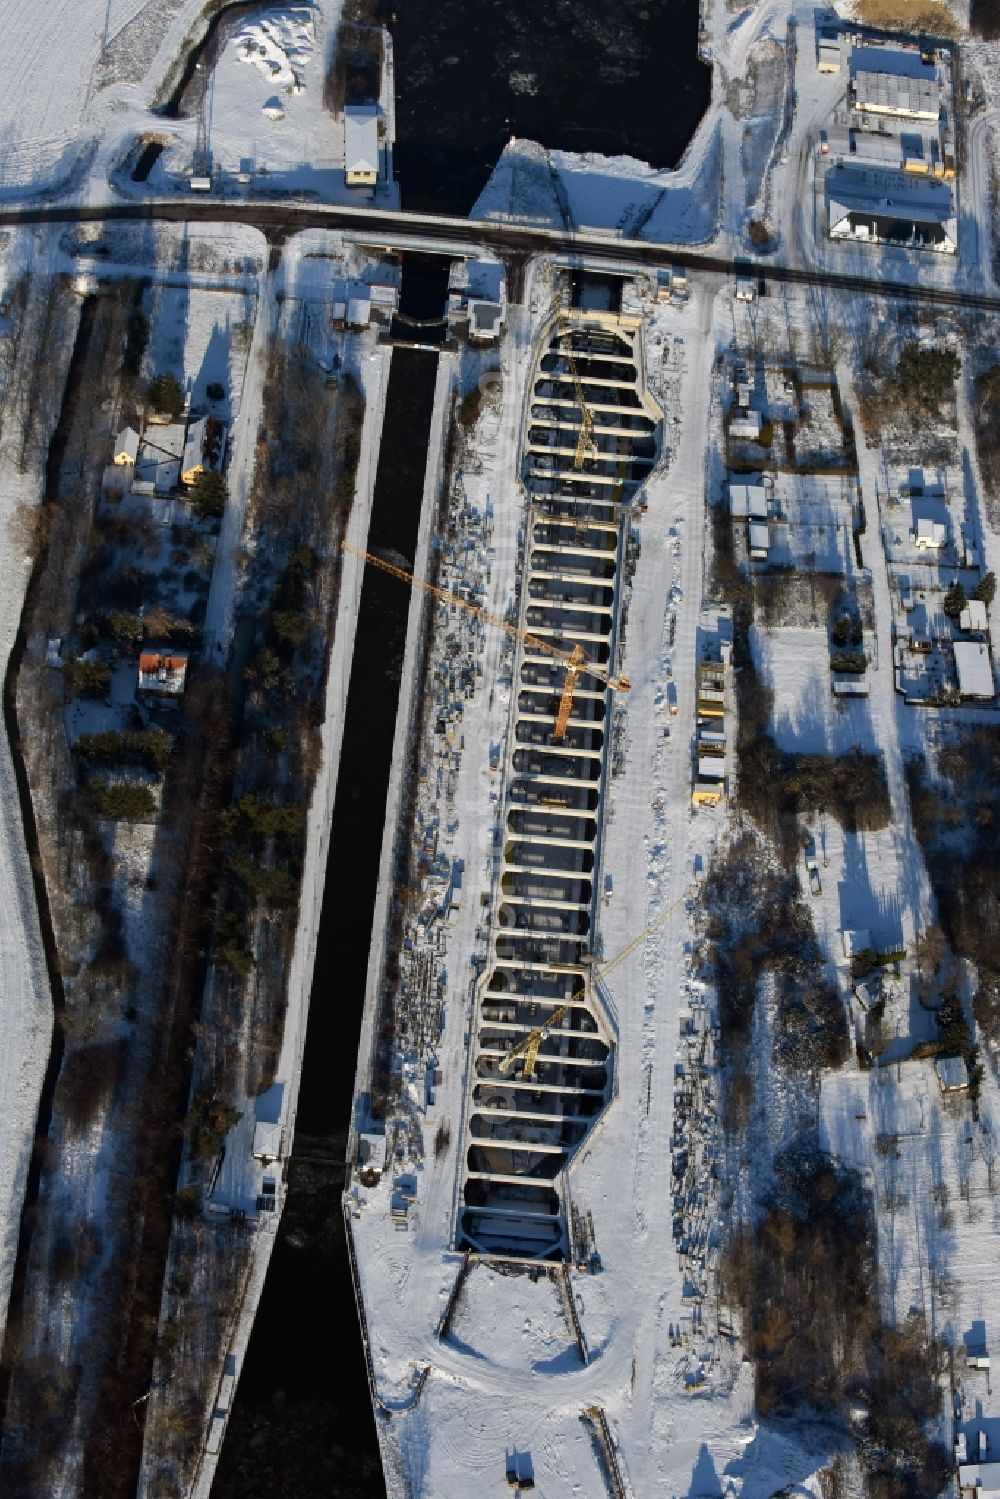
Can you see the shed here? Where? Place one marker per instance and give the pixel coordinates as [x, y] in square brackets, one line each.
[361, 145]
[984, 1478]
[359, 312]
[855, 940]
[975, 669]
[127, 446]
[829, 54]
[163, 672]
[758, 539]
[746, 289]
[973, 616]
[748, 500]
[952, 1074]
[711, 768]
[372, 1153]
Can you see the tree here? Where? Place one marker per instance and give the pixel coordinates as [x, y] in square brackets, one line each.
[215, 391]
[954, 600]
[985, 589]
[87, 678]
[209, 494]
[165, 396]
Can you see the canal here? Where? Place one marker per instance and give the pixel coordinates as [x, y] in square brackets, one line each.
[617, 80]
[621, 79]
[302, 1423]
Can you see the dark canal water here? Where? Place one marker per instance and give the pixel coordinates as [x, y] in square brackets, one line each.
[302, 1423]
[618, 77]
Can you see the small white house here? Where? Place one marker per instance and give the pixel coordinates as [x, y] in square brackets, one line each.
[746, 424]
[930, 535]
[361, 145]
[975, 669]
[973, 617]
[127, 447]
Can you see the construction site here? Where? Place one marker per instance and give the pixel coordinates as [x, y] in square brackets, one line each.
[542, 1066]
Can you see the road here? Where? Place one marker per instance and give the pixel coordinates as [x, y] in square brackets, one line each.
[397, 228]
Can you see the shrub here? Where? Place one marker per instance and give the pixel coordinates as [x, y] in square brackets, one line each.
[855, 662]
[121, 803]
[150, 748]
[215, 391]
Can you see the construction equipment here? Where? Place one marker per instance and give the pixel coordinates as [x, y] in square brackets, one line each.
[573, 670]
[586, 446]
[530, 1046]
[575, 662]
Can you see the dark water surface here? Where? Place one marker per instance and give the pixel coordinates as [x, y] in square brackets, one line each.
[302, 1424]
[620, 77]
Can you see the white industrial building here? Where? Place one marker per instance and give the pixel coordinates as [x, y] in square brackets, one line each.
[891, 81]
[879, 206]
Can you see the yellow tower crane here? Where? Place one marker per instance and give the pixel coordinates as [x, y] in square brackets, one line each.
[575, 662]
[586, 447]
[529, 1047]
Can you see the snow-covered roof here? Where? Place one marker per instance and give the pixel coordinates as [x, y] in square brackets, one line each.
[930, 533]
[748, 500]
[194, 445]
[361, 139]
[127, 445]
[745, 423]
[371, 1152]
[163, 672]
[983, 1477]
[484, 319]
[711, 768]
[759, 539]
[952, 1073]
[267, 1140]
[886, 93]
[973, 616]
[359, 311]
[975, 669]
